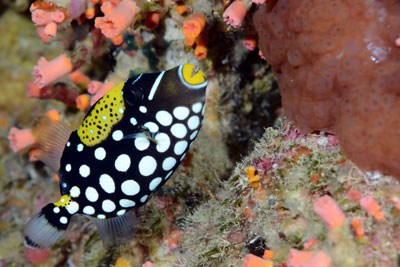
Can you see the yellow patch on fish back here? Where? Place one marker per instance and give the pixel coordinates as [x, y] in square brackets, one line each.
[63, 202]
[192, 77]
[108, 111]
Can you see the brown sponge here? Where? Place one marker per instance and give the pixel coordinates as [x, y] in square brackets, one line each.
[338, 70]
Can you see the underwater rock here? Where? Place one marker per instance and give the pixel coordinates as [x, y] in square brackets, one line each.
[338, 70]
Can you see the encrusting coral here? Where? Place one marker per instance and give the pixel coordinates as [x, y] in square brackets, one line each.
[301, 209]
[338, 70]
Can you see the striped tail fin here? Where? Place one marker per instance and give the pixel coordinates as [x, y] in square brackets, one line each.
[46, 227]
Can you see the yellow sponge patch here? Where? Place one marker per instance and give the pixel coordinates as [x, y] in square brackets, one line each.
[108, 111]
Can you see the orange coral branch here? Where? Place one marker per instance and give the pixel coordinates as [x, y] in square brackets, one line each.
[194, 26]
[251, 260]
[201, 50]
[78, 77]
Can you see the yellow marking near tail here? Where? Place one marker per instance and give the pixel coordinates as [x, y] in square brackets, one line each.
[108, 111]
[63, 202]
[188, 71]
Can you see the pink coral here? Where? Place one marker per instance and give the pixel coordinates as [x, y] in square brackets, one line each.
[235, 13]
[48, 21]
[94, 86]
[102, 91]
[46, 72]
[116, 20]
[251, 260]
[36, 256]
[148, 264]
[338, 70]
[20, 139]
[50, 29]
[41, 17]
[250, 42]
[298, 258]
[369, 204]
[40, 30]
[330, 212]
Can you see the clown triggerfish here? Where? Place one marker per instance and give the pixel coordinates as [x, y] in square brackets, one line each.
[128, 145]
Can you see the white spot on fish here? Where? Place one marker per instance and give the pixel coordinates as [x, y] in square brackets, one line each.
[84, 170]
[100, 153]
[130, 187]
[117, 135]
[144, 198]
[91, 194]
[194, 122]
[142, 143]
[196, 107]
[107, 183]
[147, 165]
[89, 210]
[154, 183]
[75, 191]
[168, 163]
[181, 113]
[79, 147]
[151, 126]
[63, 220]
[108, 205]
[121, 212]
[178, 130]
[193, 135]
[143, 109]
[73, 207]
[163, 142]
[164, 118]
[68, 167]
[122, 163]
[180, 147]
[126, 203]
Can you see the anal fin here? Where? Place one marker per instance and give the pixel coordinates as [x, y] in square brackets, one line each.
[117, 230]
[52, 137]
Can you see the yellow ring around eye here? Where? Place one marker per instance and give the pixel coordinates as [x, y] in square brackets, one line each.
[63, 202]
[192, 77]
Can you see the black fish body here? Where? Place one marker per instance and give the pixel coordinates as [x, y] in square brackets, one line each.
[128, 145]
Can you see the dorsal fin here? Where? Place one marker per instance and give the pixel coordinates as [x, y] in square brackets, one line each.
[52, 137]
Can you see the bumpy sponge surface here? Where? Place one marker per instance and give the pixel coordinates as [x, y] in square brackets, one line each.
[338, 70]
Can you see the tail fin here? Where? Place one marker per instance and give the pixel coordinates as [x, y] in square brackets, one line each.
[46, 227]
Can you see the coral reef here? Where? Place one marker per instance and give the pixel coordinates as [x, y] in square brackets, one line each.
[302, 209]
[337, 65]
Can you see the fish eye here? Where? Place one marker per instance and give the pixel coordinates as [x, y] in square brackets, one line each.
[134, 96]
